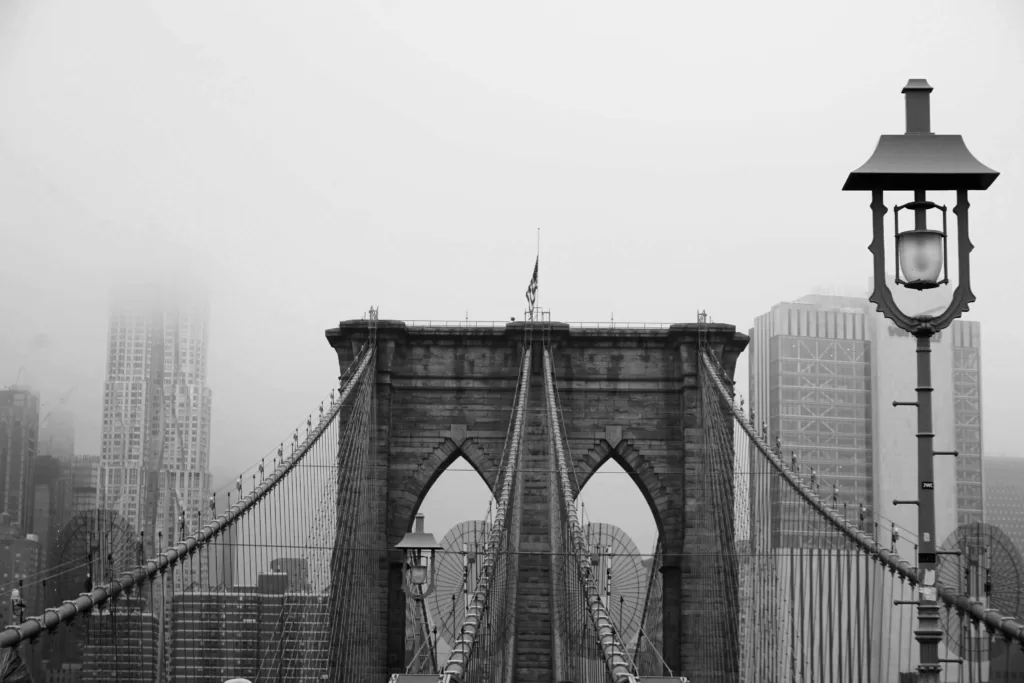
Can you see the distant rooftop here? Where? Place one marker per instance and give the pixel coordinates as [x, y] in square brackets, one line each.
[928, 302]
[833, 301]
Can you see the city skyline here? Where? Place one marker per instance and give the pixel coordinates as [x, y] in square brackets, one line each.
[71, 425]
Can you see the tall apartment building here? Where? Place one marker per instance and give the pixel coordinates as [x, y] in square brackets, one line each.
[19, 441]
[824, 371]
[156, 414]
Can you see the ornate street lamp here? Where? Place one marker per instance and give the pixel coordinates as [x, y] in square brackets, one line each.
[920, 161]
[418, 584]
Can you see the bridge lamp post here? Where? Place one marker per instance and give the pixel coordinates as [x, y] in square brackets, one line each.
[419, 573]
[920, 161]
[17, 605]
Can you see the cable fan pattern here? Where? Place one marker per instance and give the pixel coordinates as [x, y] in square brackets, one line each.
[458, 570]
[621, 576]
[990, 569]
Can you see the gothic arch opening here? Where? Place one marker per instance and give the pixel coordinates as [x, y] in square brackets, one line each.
[457, 494]
[622, 535]
[455, 506]
[610, 495]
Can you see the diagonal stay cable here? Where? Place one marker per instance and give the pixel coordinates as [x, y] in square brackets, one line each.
[52, 617]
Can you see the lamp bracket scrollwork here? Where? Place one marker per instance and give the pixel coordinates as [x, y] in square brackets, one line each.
[963, 296]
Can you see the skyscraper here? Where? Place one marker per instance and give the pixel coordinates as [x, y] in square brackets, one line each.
[19, 440]
[824, 371]
[810, 385]
[156, 414]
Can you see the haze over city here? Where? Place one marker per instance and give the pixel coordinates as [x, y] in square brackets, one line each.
[300, 163]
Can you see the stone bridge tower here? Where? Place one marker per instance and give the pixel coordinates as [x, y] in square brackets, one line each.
[627, 393]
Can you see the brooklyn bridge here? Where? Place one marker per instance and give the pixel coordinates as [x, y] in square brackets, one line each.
[760, 571]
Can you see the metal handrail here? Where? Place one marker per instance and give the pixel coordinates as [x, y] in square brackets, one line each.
[85, 602]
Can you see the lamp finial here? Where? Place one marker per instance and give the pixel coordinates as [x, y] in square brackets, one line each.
[917, 93]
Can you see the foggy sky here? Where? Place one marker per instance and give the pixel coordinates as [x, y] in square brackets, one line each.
[308, 160]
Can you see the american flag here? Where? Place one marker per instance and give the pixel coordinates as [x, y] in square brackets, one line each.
[531, 291]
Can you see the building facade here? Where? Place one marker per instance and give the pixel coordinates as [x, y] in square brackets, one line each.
[19, 442]
[810, 386]
[122, 644]
[967, 419]
[156, 414]
[297, 569]
[264, 632]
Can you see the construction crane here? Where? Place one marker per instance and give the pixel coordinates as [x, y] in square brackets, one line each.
[60, 403]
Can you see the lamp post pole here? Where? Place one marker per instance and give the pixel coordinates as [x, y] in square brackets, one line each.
[921, 161]
[929, 632]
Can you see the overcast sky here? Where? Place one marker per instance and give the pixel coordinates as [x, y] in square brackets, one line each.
[309, 159]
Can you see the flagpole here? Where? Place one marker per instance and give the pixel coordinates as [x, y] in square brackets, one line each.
[538, 266]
